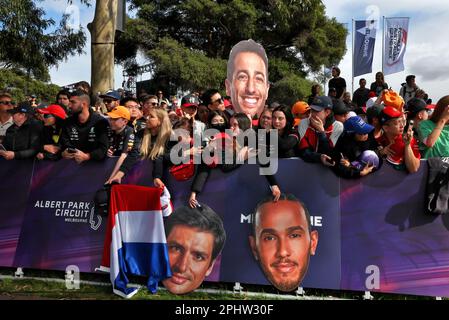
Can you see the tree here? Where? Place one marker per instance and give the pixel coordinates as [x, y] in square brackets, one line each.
[26, 43]
[189, 41]
[102, 31]
[16, 83]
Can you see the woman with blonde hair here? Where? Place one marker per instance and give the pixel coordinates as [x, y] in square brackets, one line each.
[151, 143]
[434, 132]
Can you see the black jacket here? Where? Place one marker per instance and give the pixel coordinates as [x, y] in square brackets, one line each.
[25, 140]
[351, 150]
[122, 142]
[158, 163]
[51, 135]
[90, 137]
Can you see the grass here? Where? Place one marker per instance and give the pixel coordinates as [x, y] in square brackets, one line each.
[41, 289]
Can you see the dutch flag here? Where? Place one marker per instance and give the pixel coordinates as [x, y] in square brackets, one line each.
[135, 240]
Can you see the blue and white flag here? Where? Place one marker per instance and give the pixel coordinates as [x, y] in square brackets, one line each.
[364, 41]
[395, 43]
[135, 240]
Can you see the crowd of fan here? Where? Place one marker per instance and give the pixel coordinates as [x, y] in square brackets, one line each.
[352, 137]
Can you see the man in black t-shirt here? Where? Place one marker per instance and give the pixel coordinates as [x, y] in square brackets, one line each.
[85, 135]
[337, 82]
[361, 95]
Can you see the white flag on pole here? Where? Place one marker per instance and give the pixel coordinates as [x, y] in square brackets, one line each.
[395, 43]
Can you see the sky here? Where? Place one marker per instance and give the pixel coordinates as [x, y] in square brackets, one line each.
[427, 54]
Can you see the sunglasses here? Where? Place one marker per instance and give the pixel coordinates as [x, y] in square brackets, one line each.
[48, 116]
[6, 103]
[219, 100]
[154, 104]
[107, 101]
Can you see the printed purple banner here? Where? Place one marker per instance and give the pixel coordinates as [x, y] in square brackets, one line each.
[387, 235]
[60, 226]
[15, 177]
[388, 243]
[320, 196]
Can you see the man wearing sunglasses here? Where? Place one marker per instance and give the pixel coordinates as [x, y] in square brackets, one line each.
[110, 99]
[23, 138]
[149, 102]
[215, 102]
[5, 117]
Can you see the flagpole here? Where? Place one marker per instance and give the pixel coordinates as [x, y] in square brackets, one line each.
[383, 42]
[353, 38]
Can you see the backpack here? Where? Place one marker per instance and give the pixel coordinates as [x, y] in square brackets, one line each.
[101, 200]
[437, 188]
[183, 171]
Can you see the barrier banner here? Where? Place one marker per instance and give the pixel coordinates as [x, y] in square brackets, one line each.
[365, 234]
[60, 226]
[389, 244]
[321, 197]
[15, 177]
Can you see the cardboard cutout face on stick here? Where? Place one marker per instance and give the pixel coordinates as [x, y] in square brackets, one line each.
[247, 77]
[195, 237]
[283, 243]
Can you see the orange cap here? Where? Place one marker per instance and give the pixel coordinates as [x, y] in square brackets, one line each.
[120, 112]
[300, 107]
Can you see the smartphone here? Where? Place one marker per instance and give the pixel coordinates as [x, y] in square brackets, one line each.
[2, 148]
[71, 150]
[408, 125]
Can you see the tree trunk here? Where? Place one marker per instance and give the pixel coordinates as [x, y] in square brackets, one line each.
[102, 30]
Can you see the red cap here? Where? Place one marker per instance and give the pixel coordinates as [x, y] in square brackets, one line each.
[389, 113]
[227, 103]
[55, 110]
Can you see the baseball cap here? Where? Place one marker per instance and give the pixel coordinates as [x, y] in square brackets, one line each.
[22, 107]
[389, 113]
[119, 112]
[111, 94]
[165, 101]
[374, 112]
[357, 125]
[339, 108]
[416, 105]
[300, 107]
[190, 100]
[320, 103]
[54, 109]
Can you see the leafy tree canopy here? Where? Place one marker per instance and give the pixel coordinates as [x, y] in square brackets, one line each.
[189, 41]
[26, 42]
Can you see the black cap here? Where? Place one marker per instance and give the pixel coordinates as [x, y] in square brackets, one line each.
[190, 100]
[339, 108]
[320, 103]
[22, 107]
[416, 105]
[374, 112]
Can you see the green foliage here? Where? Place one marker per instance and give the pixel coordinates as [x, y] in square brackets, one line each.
[16, 83]
[25, 42]
[290, 89]
[188, 40]
[188, 68]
